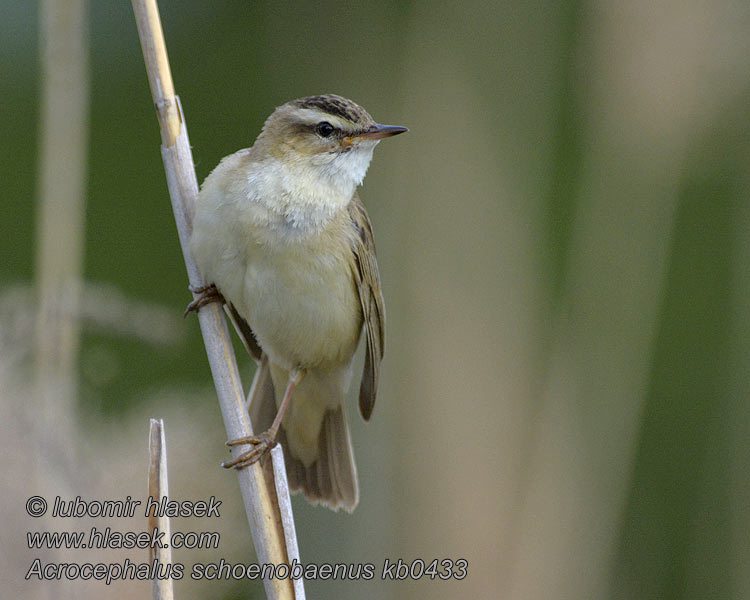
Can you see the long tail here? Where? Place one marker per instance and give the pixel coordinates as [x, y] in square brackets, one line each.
[331, 479]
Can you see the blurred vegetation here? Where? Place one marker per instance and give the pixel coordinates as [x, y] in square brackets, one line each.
[564, 241]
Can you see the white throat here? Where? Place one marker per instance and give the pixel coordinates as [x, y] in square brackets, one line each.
[305, 194]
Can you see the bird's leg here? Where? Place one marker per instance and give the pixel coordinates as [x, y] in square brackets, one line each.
[208, 293]
[263, 442]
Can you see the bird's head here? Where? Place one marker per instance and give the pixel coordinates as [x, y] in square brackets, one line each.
[327, 137]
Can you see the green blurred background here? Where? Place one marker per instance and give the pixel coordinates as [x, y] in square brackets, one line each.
[564, 242]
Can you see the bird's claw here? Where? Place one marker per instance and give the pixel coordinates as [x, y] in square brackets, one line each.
[261, 445]
[208, 294]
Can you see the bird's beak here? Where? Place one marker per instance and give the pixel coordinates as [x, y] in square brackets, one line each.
[376, 132]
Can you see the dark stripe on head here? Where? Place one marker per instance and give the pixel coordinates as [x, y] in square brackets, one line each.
[335, 105]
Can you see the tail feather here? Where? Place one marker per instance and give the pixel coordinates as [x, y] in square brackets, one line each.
[262, 409]
[331, 479]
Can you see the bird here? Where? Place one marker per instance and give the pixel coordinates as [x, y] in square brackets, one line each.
[281, 236]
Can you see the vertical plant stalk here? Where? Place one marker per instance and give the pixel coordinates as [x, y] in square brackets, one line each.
[61, 210]
[285, 509]
[259, 493]
[158, 487]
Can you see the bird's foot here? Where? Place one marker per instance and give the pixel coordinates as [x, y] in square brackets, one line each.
[261, 445]
[208, 294]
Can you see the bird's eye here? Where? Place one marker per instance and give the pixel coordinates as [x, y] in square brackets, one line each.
[324, 129]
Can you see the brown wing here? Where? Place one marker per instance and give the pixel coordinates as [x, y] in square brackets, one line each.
[366, 276]
[243, 330]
